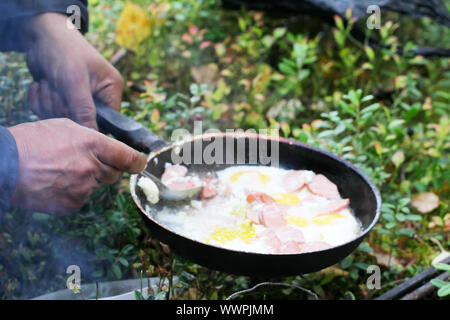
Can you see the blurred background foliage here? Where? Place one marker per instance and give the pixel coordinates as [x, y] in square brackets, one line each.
[192, 60]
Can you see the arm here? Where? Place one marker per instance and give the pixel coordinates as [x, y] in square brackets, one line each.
[67, 72]
[16, 13]
[9, 163]
[55, 165]
[61, 164]
[66, 68]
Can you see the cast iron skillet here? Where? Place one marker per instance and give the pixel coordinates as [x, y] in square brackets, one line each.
[364, 197]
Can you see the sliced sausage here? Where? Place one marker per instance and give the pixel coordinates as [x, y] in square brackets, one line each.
[290, 247]
[181, 183]
[260, 197]
[209, 189]
[272, 216]
[296, 180]
[320, 185]
[287, 234]
[254, 215]
[173, 171]
[314, 246]
[271, 239]
[332, 206]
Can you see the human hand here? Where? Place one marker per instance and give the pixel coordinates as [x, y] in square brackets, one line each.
[62, 163]
[67, 71]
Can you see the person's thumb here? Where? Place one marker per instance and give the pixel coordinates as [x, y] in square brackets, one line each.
[118, 155]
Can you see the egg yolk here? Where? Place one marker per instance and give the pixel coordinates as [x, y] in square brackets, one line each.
[326, 219]
[235, 177]
[289, 199]
[296, 221]
[245, 232]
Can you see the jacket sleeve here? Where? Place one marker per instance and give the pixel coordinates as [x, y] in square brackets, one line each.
[13, 13]
[9, 167]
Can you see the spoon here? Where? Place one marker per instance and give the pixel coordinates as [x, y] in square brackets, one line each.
[167, 193]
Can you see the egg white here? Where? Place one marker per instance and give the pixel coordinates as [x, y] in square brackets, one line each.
[201, 220]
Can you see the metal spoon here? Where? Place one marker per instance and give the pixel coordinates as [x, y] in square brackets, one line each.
[167, 193]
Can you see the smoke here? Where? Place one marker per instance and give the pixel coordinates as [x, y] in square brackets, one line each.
[36, 249]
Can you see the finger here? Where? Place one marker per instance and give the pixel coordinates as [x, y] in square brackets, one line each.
[108, 174]
[33, 66]
[45, 100]
[119, 156]
[33, 98]
[80, 102]
[59, 107]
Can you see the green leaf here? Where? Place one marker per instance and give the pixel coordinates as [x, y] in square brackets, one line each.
[384, 231]
[412, 112]
[442, 266]
[242, 24]
[398, 158]
[391, 225]
[339, 22]
[354, 274]
[214, 296]
[406, 232]
[123, 261]
[339, 129]
[371, 108]
[350, 295]
[138, 295]
[116, 270]
[438, 283]
[41, 217]
[286, 69]
[303, 136]
[326, 133]
[257, 31]
[300, 50]
[369, 52]
[413, 217]
[388, 217]
[267, 41]
[444, 291]
[279, 32]
[346, 262]
[404, 201]
[396, 123]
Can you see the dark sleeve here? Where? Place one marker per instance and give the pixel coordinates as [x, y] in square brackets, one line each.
[9, 166]
[13, 13]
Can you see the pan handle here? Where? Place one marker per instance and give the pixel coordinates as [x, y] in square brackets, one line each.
[127, 130]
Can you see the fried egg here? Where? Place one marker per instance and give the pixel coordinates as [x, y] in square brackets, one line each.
[256, 207]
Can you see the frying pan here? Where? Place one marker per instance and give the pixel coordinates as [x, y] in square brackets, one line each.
[364, 197]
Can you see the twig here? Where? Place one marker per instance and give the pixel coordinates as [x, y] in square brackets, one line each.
[424, 290]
